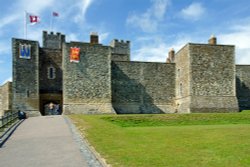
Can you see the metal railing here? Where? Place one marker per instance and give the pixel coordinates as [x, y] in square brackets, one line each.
[8, 119]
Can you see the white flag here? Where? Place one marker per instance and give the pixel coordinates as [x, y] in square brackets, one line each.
[32, 19]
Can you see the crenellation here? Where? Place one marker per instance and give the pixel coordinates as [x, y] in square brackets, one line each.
[120, 50]
[53, 41]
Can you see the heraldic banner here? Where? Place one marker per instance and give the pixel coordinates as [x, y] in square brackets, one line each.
[24, 51]
[74, 54]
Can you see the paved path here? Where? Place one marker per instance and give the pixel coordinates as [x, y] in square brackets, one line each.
[45, 141]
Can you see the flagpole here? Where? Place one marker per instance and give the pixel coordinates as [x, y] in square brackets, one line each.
[25, 24]
[50, 27]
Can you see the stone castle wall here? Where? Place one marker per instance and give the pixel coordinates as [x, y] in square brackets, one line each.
[243, 86]
[26, 78]
[5, 97]
[140, 87]
[183, 80]
[87, 84]
[213, 78]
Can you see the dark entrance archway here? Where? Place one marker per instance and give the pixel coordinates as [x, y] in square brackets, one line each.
[51, 103]
[52, 108]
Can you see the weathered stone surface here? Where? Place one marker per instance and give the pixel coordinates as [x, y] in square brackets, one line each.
[183, 80]
[206, 73]
[139, 87]
[243, 86]
[26, 78]
[5, 97]
[53, 41]
[120, 50]
[89, 81]
[50, 58]
[213, 70]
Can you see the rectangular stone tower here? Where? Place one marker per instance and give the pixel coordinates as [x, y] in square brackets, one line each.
[50, 70]
[205, 78]
[87, 80]
[25, 76]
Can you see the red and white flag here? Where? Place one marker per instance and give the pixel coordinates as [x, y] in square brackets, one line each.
[32, 19]
[55, 14]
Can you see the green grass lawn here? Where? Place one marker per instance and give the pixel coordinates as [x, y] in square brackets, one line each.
[177, 140]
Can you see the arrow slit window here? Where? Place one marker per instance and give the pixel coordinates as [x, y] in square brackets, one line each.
[51, 72]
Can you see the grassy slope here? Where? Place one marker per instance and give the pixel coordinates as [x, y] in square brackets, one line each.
[152, 144]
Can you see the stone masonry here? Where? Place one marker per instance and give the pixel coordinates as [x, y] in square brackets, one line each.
[198, 78]
[146, 87]
[5, 97]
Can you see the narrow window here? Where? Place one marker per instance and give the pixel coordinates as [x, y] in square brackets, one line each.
[28, 93]
[51, 73]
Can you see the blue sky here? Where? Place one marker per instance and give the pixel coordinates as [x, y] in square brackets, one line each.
[152, 26]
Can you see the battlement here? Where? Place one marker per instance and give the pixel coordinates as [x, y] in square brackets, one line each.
[120, 50]
[53, 41]
[116, 43]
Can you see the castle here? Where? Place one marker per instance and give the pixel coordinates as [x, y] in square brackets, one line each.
[91, 78]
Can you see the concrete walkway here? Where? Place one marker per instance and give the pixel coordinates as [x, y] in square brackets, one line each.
[41, 142]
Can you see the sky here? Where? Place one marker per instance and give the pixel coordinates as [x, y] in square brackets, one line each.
[152, 26]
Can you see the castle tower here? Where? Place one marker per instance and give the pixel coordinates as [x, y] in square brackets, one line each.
[87, 81]
[53, 41]
[120, 50]
[205, 80]
[25, 76]
[50, 71]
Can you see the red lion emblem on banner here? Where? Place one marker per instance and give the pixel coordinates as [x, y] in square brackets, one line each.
[74, 54]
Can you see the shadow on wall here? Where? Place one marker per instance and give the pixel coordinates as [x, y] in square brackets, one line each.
[243, 94]
[129, 96]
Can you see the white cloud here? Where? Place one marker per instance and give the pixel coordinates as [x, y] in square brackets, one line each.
[72, 37]
[151, 54]
[149, 21]
[193, 12]
[240, 38]
[103, 37]
[9, 19]
[155, 49]
[83, 6]
[5, 47]
[36, 6]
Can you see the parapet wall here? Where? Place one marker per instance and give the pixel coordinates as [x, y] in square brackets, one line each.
[120, 50]
[87, 84]
[5, 97]
[53, 41]
[140, 87]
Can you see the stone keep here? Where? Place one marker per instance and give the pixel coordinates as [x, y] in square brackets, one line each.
[198, 78]
[205, 79]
